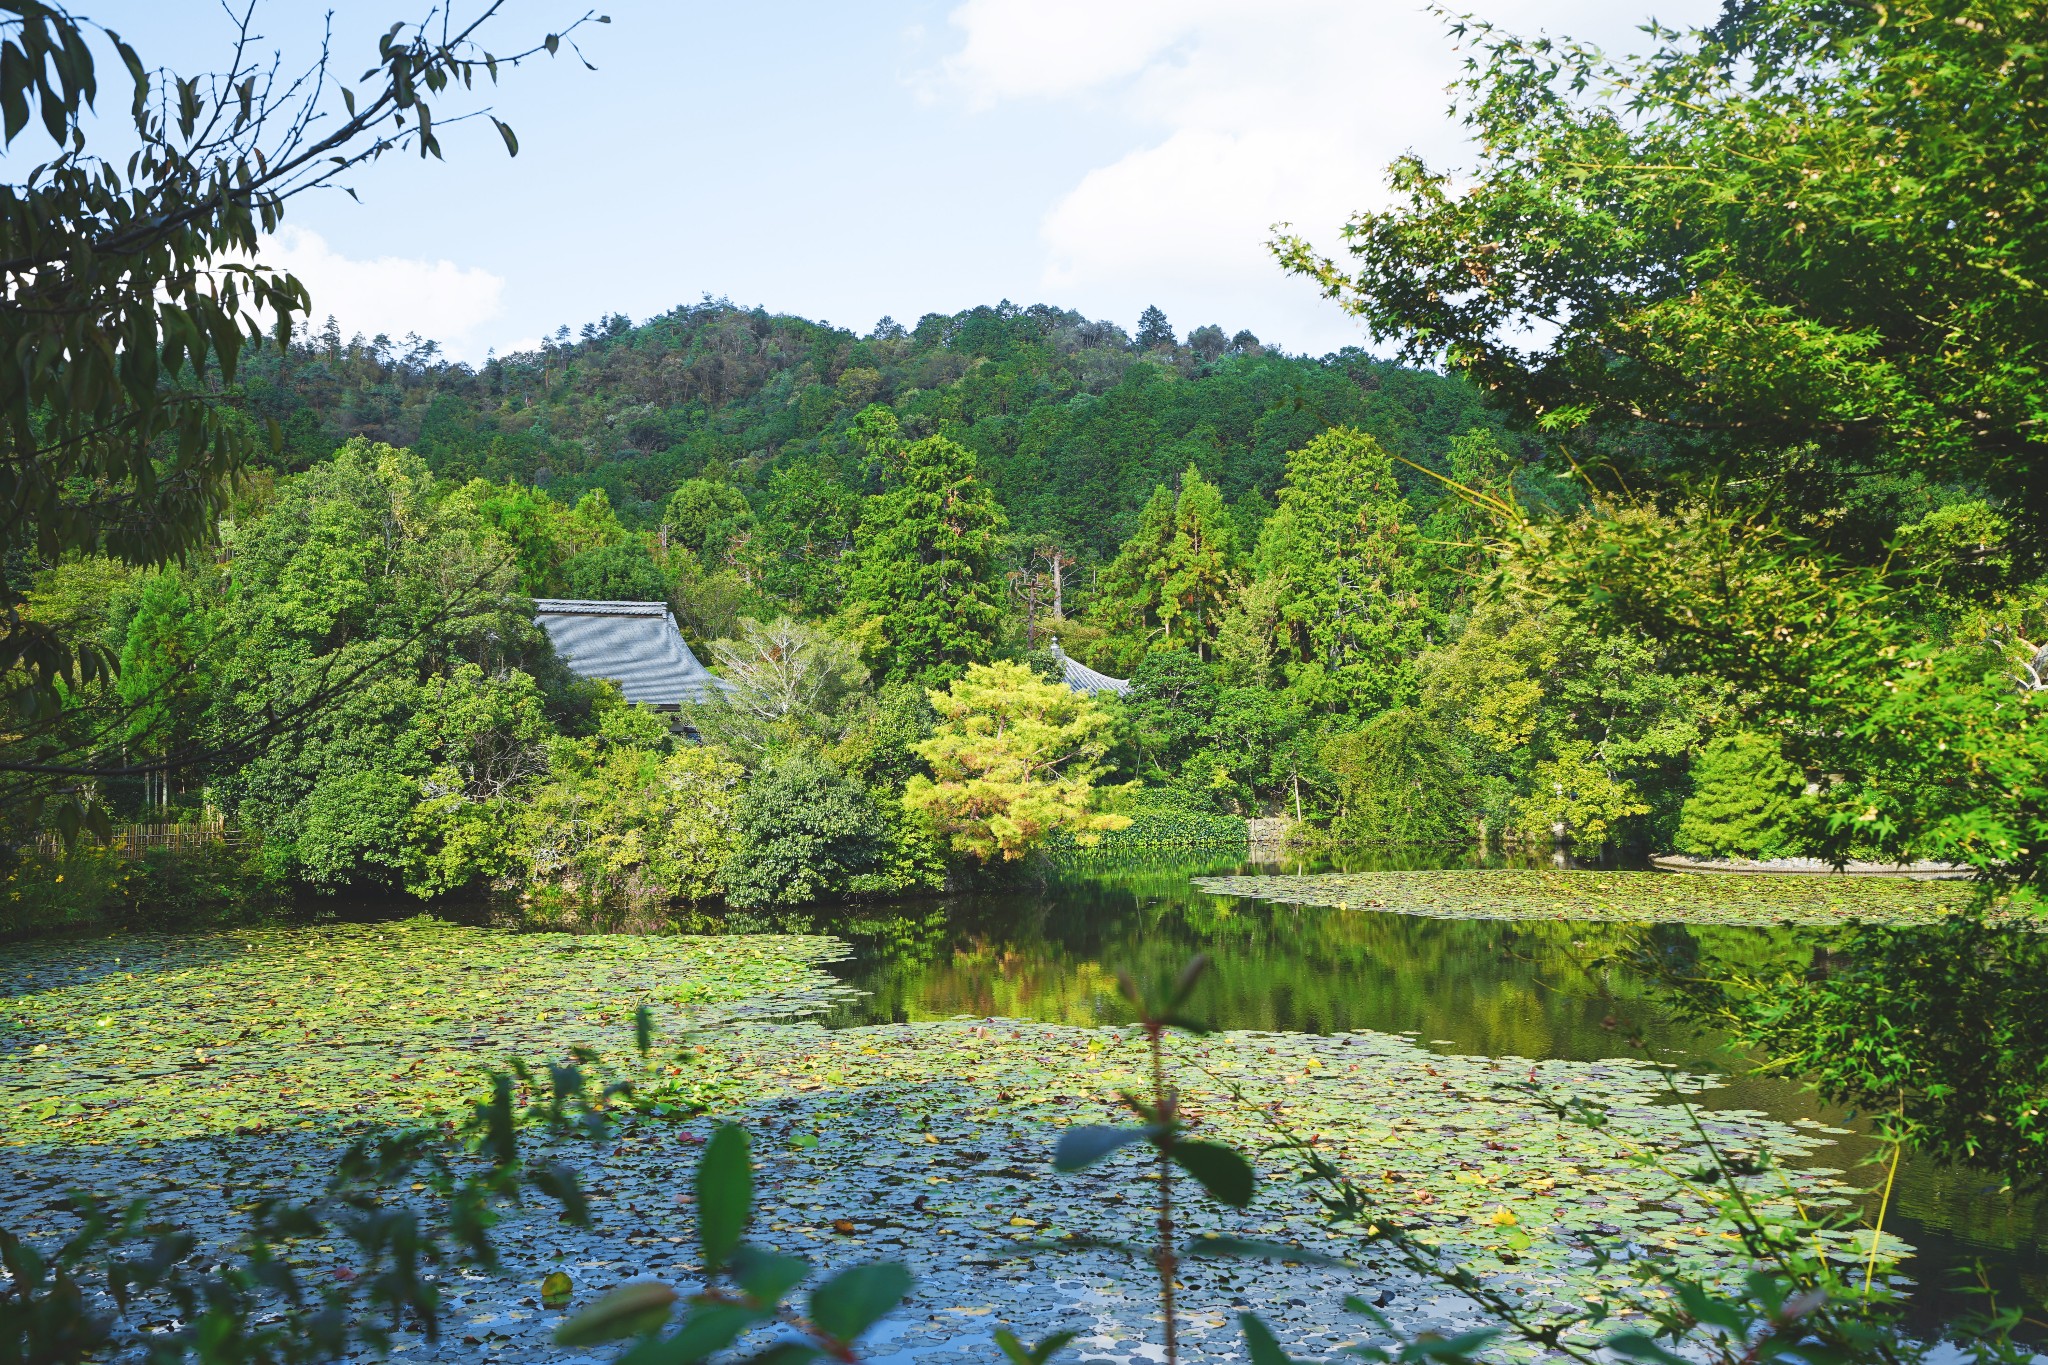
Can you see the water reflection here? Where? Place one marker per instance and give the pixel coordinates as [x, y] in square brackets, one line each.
[1547, 989]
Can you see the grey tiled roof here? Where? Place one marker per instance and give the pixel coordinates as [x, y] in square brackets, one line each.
[1081, 678]
[634, 644]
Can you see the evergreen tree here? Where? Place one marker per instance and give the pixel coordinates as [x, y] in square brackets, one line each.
[1175, 577]
[923, 578]
[1746, 802]
[1340, 545]
[1154, 329]
[1013, 758]
[1201, 564]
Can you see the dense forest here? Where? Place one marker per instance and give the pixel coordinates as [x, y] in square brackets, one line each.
[1293, 559]
[1068, 419]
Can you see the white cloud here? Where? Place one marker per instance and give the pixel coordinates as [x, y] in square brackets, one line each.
[1285, 111]
[439, 300]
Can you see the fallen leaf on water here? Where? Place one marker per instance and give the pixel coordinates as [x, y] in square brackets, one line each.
[555, 1291]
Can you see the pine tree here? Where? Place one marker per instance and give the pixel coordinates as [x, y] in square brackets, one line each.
[1201, 564]
[1154, 329]
[1013, 758]
[923, 577]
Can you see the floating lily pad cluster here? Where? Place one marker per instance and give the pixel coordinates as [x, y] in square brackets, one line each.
[159, 1037]
[1630, 897]
[210, 1073]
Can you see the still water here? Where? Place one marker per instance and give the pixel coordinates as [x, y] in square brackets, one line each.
[1487, 987]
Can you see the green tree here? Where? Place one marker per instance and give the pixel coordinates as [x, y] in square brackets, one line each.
[1746, 802]
[624, 572]
[166, 671]
[618, 823]
[1341, 547]
[1153, 329]
[361, 597]
[1176, 577]
[792, 682]
[1400, 783]
[1012, 759]
[709, 518]
[134, 281]
[805, 832]
[923, 574]
[1799, 248]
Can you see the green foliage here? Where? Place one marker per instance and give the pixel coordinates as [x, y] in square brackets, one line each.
[807, 832]
[1400, 783]
[94, 889]
[792, 682]
[1798, 245]
[711, 519]
[922, 576]
[1575, 795]
[1163, 817]
[1223, 747]
[842, 1309]
[1746, 802]
[1175, 829]
[1939, 1032]
[619, 823]
[175, 1303]
[135, 283]
[1012, 759]
[614, 573]
[1180, 569]
[1940, 746]
[1342, 548]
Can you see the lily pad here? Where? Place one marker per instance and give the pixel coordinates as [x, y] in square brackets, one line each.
[1623, 897]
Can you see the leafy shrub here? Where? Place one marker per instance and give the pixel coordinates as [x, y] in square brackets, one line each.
[616, 826]
[96, 888]
[1165, 817]
[807, 832]
[1746, 802]
[1576, 791]
[1400, 783]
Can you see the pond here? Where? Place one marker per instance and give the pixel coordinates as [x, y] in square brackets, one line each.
[206, 1068]
[1491, 988]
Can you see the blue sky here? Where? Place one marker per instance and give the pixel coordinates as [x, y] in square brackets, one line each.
[850, 161]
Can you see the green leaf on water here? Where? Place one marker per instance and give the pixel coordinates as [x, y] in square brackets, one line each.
[854, 1300]
[1079, 1148]
[725, 1195]
[1220, 1170]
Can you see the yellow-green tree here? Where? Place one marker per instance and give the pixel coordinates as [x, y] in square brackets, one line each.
[1014, 758]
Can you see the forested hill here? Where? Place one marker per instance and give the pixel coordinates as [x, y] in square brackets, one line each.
[1074, 421]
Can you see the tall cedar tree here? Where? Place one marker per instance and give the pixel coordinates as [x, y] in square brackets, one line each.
[1178, 573]
[924, 566]
[1341, 547]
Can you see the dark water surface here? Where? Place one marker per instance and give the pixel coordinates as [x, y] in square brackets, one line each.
[1487, 987]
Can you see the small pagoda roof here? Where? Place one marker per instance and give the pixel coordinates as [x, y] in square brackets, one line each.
[634, 644]
[1079, 677]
